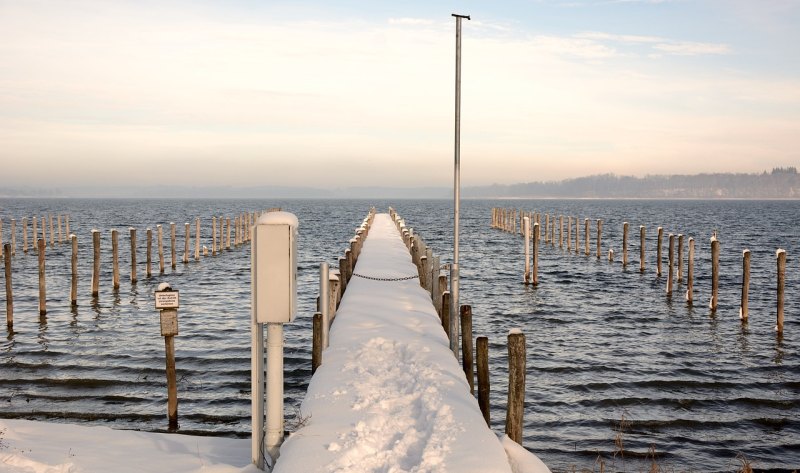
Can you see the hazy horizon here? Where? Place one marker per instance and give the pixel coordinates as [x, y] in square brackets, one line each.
[311, 94]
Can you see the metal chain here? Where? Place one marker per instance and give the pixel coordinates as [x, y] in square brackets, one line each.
[373, 278]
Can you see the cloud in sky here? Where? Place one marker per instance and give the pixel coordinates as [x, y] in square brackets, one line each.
[94, 91]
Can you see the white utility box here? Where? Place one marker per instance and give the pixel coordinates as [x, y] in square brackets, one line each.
[274, 268]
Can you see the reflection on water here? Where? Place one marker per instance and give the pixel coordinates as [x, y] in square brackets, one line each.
[603, 340]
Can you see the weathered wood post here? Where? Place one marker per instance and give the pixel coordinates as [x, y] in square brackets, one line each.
[132, 232]
[41, 244]
[561, 231]
[526, 226]
[96, 263]
[658, 251]
[781, 257]
[482, 365]
[316, 342]
[115, 259]
[466, 345]
[577, 237]
[743, 308]
[213, 236]
[13, 237]
[52, 233]
[714, 273]
[187, 239]
[671, 264]
[34, 236]
[173, 249]
[587, 250]
[535, 278]
[148, 267]
[167, 303]
[228, 227]
[24, 234]
[516, 385]
[624, 243]
[43, 221]
[546, 228]
[197, 239]
[60, 234]
[642, 232]
[690, 273]
[599, 236]
[9, 293]
[73, 291]
[160, 243]
[446, 314]
[680, 258]
[569, 234]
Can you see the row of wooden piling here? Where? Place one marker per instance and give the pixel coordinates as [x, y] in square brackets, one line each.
[56, 233]
[506, 220]
[332, 287]
[433, 280]
[239, 232]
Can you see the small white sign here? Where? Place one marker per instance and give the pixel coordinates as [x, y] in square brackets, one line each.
[169, 322]
[167, 300]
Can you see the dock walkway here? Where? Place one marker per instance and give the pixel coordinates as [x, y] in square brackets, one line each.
[389, 395]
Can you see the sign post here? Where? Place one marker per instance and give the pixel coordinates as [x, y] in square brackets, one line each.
[167, 302]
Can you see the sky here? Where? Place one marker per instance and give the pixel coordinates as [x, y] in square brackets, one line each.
[359, 93]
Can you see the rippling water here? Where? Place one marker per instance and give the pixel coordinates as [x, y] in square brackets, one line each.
[603, 341]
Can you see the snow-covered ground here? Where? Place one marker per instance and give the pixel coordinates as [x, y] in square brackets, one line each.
[390, 397]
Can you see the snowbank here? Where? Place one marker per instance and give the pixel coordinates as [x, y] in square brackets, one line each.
[44, 447]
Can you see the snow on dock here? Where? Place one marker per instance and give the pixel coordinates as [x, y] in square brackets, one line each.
[389, 395]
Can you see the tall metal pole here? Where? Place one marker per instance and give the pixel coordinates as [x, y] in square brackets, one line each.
[454, 319]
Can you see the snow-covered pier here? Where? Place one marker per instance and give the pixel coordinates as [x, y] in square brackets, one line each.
[389, 395]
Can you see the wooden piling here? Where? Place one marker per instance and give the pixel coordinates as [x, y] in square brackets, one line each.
[9, 293]
[160, 243]
[546, 228]
[587, 250]
[535, 277]
[658, 251]
[743, 308]
[641, 248]
[679, 275]
[34, 236]
[781, 257]
[446, 313]
[172, 383]
[73, 290]
[197, 239]
[569, 234]
[577, 237]
[24, 234]
[60, 234]
[132, 232]
[624, 243]
[714, 273]
[41, 243]
[671, 264]
[466, 345]
[187, 242]
[316, 342]
[599, 236]
[115, 259]
[228, 227]
[516, 385]
[96, 263]
[690, 273]
[526, 225]
[561, 231]
[482, 365]
[13, 237]
[173, 249]
[52, 233]
[148, 270]
[213, 236]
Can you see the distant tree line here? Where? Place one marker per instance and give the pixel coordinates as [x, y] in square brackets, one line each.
[781, 183]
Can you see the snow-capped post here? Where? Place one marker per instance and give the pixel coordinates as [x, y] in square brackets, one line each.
[516, 385]
[73, 290]
[324, 302]
[743, 308]
[186, 242]
[599, 235]
[9, 294]
[536, 236]
[274, 303]
[167, 303]
[466, 346]
[671, 263]
[41, 243]
[610, 254]
[196, 239]
[24, 234]
[160, 232]
[482, 365]
[642, 232]
[173, 250]
[659, 236]
[714, 273]
[526, 231]
[115, 259]
[96, 263]
[679, 274]
[133, 254]
[333, 298]
[149, 252]
[586, 235]
[781, 257]
[690, 272]
[624, 244]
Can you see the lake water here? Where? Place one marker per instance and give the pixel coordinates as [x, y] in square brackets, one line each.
[604, 341]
